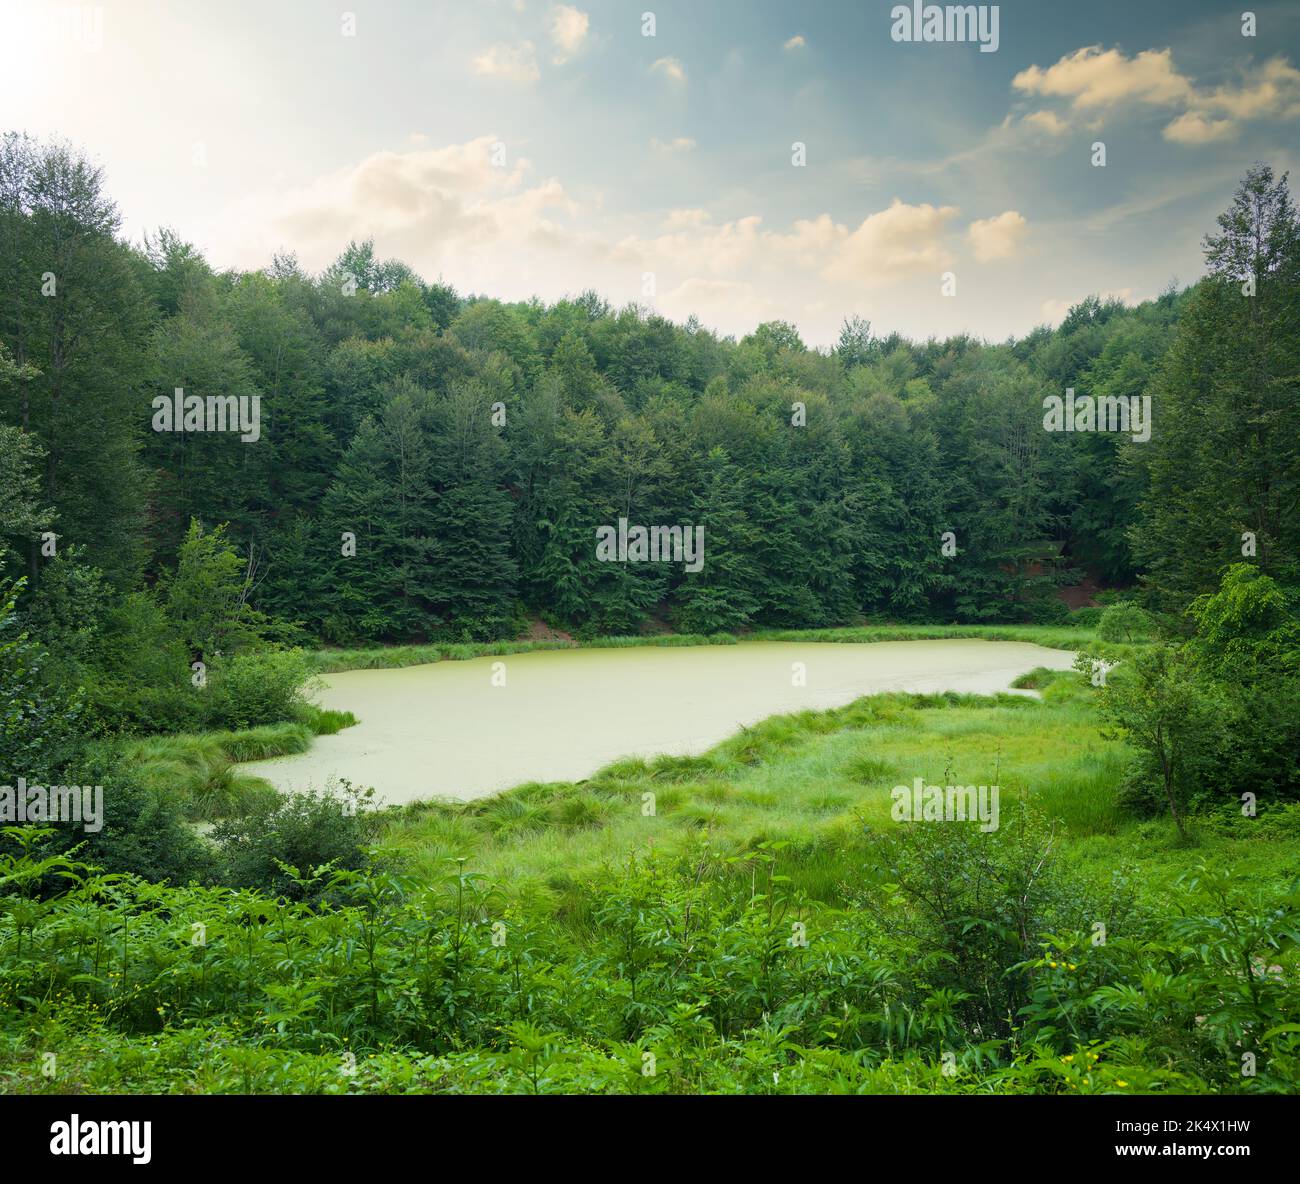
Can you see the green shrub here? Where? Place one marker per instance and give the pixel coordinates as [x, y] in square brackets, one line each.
[302, 831]
[257, 687]
[1125, 622]
[143, 832]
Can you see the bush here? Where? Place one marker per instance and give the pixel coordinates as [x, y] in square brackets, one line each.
[142, 679]
[967, 909]
[1125, 622]
[1088, 617]
[143, 833]
[38, 723]
[302, 831]
[257, 687]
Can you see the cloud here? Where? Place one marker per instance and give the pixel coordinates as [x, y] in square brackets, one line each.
[1270, 90]
[671, 69]
[1047, 121]
[887, 246]
[796, 42]
[679, 218]
[899, 241]
[1095, 81]
[515, 63]
[1193, 128]
[996, 238]
[428, 206]
[450, 211]
[671, 147]
[714, 301]
[1091, 78]
[568, 29]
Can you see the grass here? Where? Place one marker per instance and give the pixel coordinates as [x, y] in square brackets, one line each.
[200, 770]
[816, 780]
[332, 661]
[819, 782]
[591, 952]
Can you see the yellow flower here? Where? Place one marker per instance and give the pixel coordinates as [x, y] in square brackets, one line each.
[1068, 1059]
[1052, 965]
[1121, 1084]
[1073, 966]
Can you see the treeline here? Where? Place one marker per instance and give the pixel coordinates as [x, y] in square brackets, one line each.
[432, 466]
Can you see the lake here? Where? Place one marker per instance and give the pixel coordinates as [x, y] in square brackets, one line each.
[445, 730]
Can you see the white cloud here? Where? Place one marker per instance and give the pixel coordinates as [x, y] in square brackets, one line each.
[1096, 81]
[427, 206]
[1047, 121]
[515, 63]
[670, 68]
[996, 238]
[730, 302]
[900, 241]
[796, 42]
[1091, 77]
[1193, 128]
[568, 28]
[448, 211]
[679, 218]
[672, 147]
[886, 247]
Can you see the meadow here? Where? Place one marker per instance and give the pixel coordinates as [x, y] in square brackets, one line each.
[750, 919]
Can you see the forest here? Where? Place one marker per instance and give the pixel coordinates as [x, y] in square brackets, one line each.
[410, 473]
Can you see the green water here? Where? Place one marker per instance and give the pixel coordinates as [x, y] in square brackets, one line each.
[446, 731]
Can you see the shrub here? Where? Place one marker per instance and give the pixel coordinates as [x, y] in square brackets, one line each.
[302, 831]
[142, 681]
[1125, 622]
[143, 833]
[967, 908]
[257, 687]
[38, 723]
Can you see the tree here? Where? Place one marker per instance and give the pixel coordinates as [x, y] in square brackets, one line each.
[207, 596]
[1125, 622]
[1224, 461]
[856, 345]
[22, 516]
[1152, 701]
[74, 320]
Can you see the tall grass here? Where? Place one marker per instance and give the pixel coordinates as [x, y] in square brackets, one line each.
[199, 770]
[819, 780]
[333, 661]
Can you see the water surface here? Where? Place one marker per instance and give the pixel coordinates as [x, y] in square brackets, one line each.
[444, 730]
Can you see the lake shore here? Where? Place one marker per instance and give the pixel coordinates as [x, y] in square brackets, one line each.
[468, 729]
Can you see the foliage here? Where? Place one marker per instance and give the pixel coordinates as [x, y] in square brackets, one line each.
[1125, 622]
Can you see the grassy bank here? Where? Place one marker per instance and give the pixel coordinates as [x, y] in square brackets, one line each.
[820, 782]
[765, 928]
[329, 661]
[199, 769]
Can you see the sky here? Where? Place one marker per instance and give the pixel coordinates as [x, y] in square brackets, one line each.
[520, 148]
